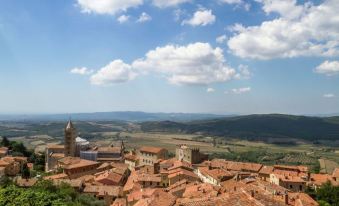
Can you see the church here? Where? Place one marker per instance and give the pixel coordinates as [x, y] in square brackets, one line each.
[79, 151]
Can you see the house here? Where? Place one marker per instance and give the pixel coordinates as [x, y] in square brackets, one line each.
[3, 151]
[179, 174]
[25, 183]
[53, 153]
[293, 183]
[75, 167]
[132, 161]
[214, 176]
[104, 192]
[265, 172]
[151, 155]
[12, 165]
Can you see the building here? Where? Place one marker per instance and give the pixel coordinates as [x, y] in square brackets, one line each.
[75, 167]
[69, 141]
[214, 176]
[132, 161]
[52, 155]
[3, 151]
[190, 155]
[151, 155]
[11, 166]
[292, 183]
[81, 145]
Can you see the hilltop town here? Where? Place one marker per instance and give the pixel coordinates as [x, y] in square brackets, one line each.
[148, 176]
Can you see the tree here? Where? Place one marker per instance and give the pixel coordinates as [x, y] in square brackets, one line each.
[25, 173]
[328, 193]
[5, 142]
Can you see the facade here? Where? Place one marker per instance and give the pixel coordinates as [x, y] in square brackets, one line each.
[52, 155]
[70, 136]
[80, 145]
[190, 155]
[151, 155]
[292, 183]
[132, 161]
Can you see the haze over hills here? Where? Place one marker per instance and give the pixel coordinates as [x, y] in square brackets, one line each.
[134, 116]
[256, 127]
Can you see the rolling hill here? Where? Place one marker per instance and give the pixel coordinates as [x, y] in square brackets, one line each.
[256, 127]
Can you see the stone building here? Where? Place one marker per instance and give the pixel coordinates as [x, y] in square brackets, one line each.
[70, 137]
[190, 155]
[151, 155]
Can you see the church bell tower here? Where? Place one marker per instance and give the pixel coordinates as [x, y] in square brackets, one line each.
[70, 135]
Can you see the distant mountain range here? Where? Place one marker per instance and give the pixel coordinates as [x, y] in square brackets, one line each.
[113, 116]
[255, 127]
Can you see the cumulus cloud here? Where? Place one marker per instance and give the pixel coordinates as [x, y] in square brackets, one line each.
[210, 90]
[110, 7]
[201, 18]
[286, 8]
[81, 71]
[328, 68]
[115, 72]
[169, 3]
[241, 90]
[221, 39]
[123, 18]
[299, 31]
[197, 63]
[192, 64]
[144, 17]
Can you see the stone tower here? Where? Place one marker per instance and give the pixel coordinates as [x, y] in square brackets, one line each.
[70, 135]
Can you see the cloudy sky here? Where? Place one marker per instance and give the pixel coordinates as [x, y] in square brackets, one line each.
[206, 56]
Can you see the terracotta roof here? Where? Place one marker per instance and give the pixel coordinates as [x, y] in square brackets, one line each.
[119, 202]
[109, 149]
[195, 190]
[101, 190]
[289, 167]
[148, 178]
[131, 157]
[55, 146]
[132, 182]
[158, 198]
[75, 162]
[179, 171]
[153, 150]
[266, 170]
[57, 176]
[217, 174]
[319, 179]
[76, 183]
[109, 178]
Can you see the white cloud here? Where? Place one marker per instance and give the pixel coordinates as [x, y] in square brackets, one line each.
[192, 64]
[123, 18]
[244, 72]
[221, 39]
[81, 71]
[201, 18]
[115, 72]
[328, 68]
[169, 3]
[314, 31]
[196, 63]
[329, 96]
[239, 3]
[144, 17]
[107, 6]
[286, 8]
[210, 90]
[241, 90]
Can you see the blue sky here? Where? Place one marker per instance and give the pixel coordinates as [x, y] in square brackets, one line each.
[99, 55]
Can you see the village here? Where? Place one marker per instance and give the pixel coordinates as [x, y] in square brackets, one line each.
[147, 176]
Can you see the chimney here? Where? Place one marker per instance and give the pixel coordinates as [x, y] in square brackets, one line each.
[235, 188]
[286, 198]
[252, 193]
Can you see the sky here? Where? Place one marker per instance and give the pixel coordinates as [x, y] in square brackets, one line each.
[192, 56]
